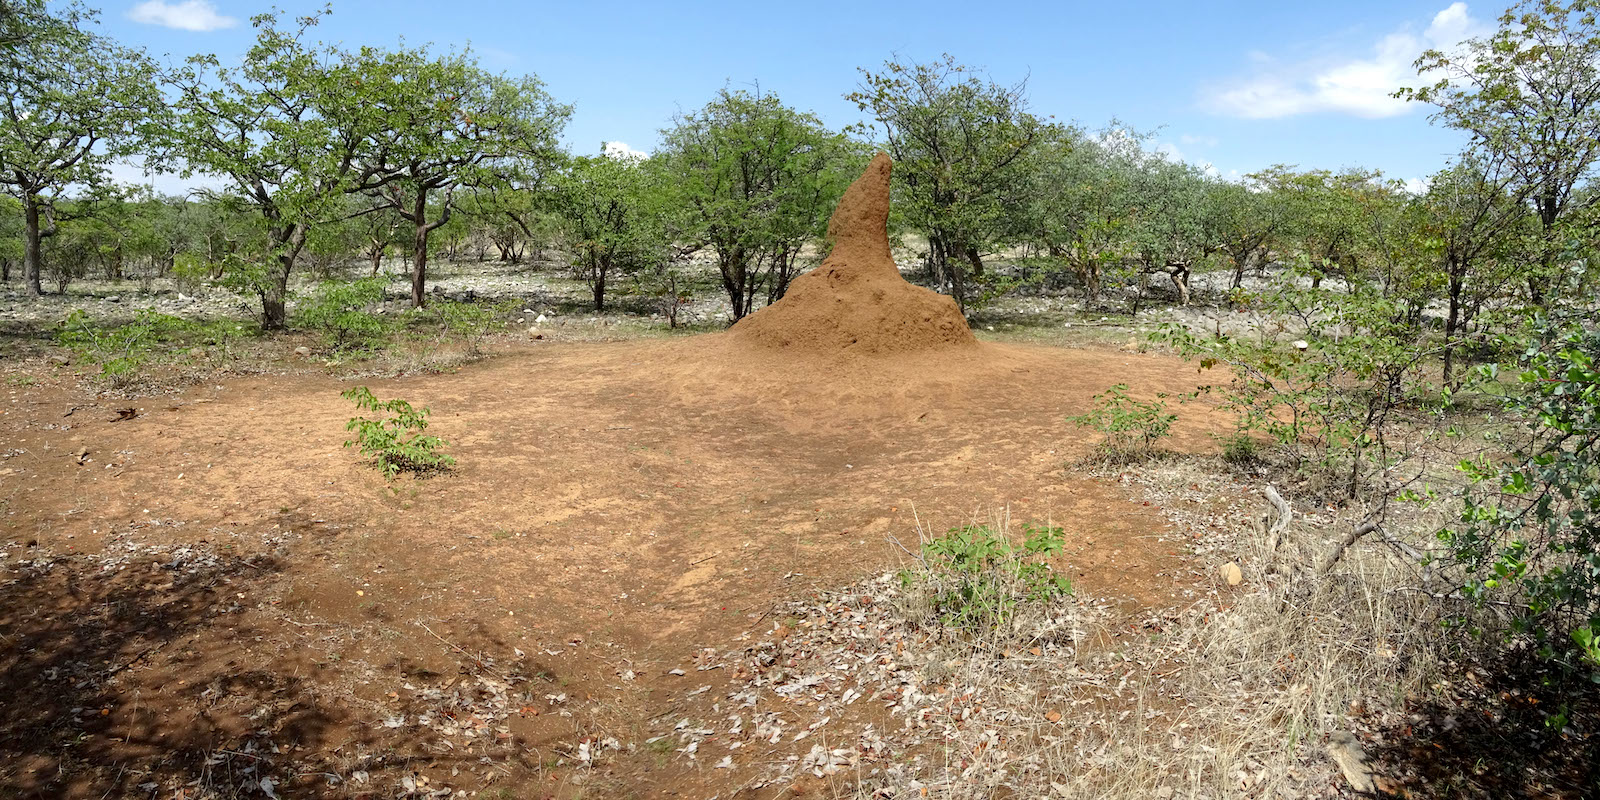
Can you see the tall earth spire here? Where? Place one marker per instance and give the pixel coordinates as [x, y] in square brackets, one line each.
[856, 303]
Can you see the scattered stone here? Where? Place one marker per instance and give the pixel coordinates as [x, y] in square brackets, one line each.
[303, 351]
[1232, 574]
[1348, 753]
[1301, 344]
[534, 333]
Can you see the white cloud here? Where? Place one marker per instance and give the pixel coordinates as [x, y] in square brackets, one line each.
[1417, 185]
[622, 150]
[188, 15]
[164, 183]
[1344, 85]
[1206, 141]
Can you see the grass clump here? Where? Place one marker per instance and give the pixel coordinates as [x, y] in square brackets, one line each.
[395, 443]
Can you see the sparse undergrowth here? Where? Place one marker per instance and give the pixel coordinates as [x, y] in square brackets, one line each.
[1131, 430]
[395, 443]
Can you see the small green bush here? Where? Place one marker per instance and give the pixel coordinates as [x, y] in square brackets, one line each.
[975, 579]
[469, 321]
[397, 443]
[338, 312]
[1131, 428]
[1240, 450]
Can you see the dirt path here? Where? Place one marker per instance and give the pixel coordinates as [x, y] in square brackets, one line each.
[616, 508]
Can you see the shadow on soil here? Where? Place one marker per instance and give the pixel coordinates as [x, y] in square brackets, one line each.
[1526, 733]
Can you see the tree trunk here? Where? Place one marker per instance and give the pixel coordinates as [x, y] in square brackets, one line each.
[274, 317]
[1452, 322]
[1180, 279]
[30, 247]
[376, 252]
[599, 285]
[975, 259]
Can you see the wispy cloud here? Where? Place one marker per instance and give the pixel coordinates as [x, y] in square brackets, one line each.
[189, 15]
[1361, 86]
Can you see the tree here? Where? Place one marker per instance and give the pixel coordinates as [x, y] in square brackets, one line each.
[757, 180]
[1077, 206]
[959, 143]
[434, 125]
[1173, 227]
[277, 128]
[1529, 95]
[74, 102]
[1470, 219]
[1248, 222]
[610, 207]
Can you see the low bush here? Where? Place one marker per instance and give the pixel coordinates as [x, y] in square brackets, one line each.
[340, 312]
[975, 579]
[395, 443]
[1131, 428]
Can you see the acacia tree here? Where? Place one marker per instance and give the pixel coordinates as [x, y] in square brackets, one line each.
[434, 125]
[612, 220]
[757, 180]
[1076, 207]
[276, 128]
[959, 143]
[1529, 95]
[1470, 222]
[74, 102]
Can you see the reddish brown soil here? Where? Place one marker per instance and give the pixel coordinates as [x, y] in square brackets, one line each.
[616, 507]
[214, 591]
[856, 303]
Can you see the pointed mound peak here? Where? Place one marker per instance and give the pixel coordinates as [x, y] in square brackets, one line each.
[859, 226]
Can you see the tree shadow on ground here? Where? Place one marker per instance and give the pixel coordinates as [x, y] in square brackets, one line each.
[1524, 731]
[146, 672]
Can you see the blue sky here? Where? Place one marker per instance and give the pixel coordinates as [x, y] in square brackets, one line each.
[1239, 86]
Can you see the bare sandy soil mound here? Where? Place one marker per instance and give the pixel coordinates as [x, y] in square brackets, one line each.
[856, 303]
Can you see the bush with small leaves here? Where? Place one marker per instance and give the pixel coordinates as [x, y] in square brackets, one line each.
[1132, 428]
[339, 312]
[395, 443]
[975, 579]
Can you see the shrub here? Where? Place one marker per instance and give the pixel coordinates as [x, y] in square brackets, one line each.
[1240, 450]
[1529, 536]
[123, 352]
[974, 578]
[470, 321]
[338, 312]
[1131, 428]
[1327, 378]
[397, 443]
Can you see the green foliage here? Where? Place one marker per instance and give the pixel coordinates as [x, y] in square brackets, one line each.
[1241, 449]
[76, 102]
[433, 124]
[756, 181]
[1131, 428]
[341, 313]
[960, 146]
[975, 579]
[395, 443]
[1526, 94]
[1530, 530]
[275, 128]
[613, 214]
[1330, 399]
[124, 352]
[470, 321]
